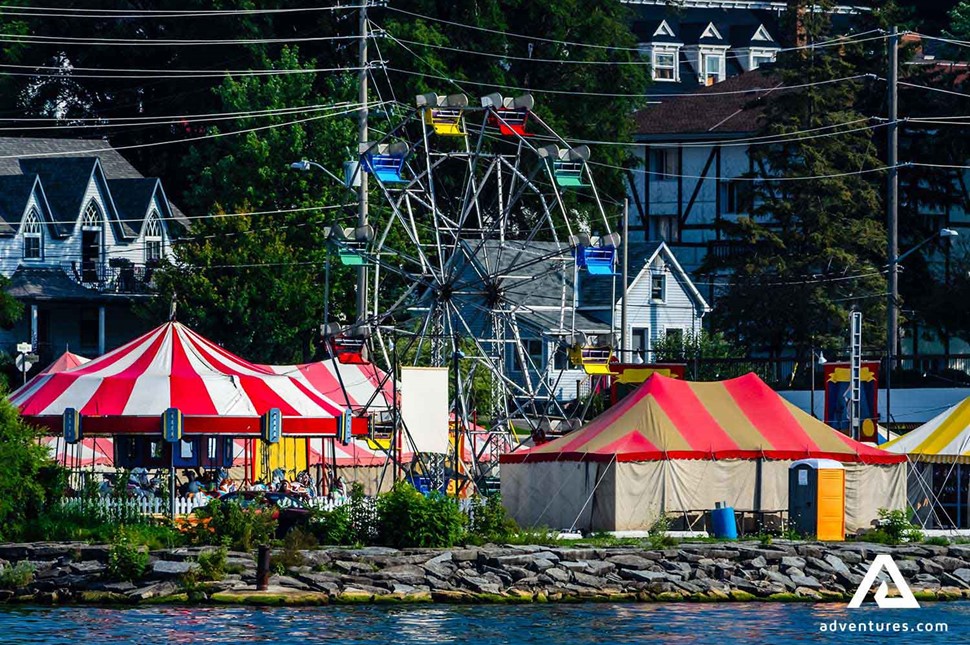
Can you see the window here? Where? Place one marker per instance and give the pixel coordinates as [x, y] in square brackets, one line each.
[535, 354]
[664, 163]
[153, 238]
[757, 60]
[213, 447]
[675, 336]
[92, 238]
[640, 343]
[711, 65]
[735, 197]
[89, 329]
[665, 66]
[560, 358]
[657, 287]
[33, 237]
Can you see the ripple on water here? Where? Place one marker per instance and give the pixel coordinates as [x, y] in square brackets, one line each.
[718, 624]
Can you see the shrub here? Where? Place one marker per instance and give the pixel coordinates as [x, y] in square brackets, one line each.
[658, 533]
[897, 527]
[212, 564]
[16, 576]
[295, 542]
[937, 541]
[334, 527]
[30, 483]
[126, 560]
[363, 516]
[488, 520]
[229, 523]
[406, 518]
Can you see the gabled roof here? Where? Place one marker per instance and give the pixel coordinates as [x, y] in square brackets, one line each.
[51, 283]
[598, 292]
[14, 193]
[65, 180]
[737, 109]
[66, 163]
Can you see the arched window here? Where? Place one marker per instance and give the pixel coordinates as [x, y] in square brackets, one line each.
[92, 241]
[153, 238]
[33, 236]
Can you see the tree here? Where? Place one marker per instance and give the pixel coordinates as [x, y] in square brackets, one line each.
[252, 276]
[24, 467]
[815, 242]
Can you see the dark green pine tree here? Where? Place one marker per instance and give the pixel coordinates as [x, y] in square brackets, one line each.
[813, 243]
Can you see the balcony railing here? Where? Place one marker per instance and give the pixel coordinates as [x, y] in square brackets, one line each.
[115, 276]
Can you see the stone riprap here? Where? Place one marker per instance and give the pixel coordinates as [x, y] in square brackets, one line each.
[707, 572]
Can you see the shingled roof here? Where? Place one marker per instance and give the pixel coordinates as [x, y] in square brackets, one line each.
[65, 166]
[734, 106]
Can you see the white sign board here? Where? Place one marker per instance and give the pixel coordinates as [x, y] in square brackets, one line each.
[425, 407]
[24, 348]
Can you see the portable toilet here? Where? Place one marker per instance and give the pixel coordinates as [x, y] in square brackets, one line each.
[816, 498]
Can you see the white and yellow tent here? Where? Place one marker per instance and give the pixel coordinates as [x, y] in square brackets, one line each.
[938, 452]
[944, 439]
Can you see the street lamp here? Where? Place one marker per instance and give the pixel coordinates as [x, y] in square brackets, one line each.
[817, 359]
[892, 313]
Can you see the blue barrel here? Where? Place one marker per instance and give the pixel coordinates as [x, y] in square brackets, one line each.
[723, 524]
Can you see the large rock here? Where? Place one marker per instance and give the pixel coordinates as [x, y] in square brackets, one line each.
[481, 585]
[649, 576]
[587, 580]
[406, 573]
[599, 567]
[962, 574]
[948, 563]
[156, 590]
[87, 567]
[634, 562]
[541, 564]
[557, 574]
[836, 563]
[806, 581]
[172, 568]
[795, 562]
[778, 578]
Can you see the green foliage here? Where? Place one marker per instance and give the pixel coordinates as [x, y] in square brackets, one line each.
[30, 483]
[716, 354]
[16, 576]
[895, 528]
[212, 564]
[229, 523]
[294, 543]
[799, 236]
[489, 521]
[127, 560]
[657, 535]
[334, 526]
[363, 516]
[938, 540]
[406, 518]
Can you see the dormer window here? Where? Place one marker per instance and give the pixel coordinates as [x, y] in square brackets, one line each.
[665, 65]
[92, 243]
[759, 58]
[712, 68]
[153, 238]
[33, 237]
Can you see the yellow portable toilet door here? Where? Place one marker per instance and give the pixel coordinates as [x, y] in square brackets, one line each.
[831, 504]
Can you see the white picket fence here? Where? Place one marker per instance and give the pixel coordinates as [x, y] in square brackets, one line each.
[140, 505]
[183, 505]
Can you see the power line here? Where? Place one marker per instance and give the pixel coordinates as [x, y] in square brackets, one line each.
[640, 63]
[214, 135]
[147, 42]
[160, 122]
[68, 73]
[177, 117]
[118, 14]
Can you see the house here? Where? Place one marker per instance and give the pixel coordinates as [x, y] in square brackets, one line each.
[703, 43]
[81, 231]
[543, 312]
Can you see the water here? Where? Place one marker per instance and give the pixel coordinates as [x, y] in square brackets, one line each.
[720, 624]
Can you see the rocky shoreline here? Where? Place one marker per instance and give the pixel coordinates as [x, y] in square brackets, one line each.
[700, 572]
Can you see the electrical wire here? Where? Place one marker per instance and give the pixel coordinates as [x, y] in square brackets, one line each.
[147, 42]
[68, 73]
[214, 135]
[119, 14]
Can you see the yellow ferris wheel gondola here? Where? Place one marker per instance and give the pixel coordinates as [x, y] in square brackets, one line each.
[593, 358]
[444, 113]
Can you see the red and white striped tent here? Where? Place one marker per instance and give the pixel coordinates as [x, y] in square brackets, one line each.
[65, 361]
[361, 387]
[127, 390]
[94, 451]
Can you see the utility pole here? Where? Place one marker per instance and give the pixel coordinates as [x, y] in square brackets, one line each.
[892, 207]
[362, 136]
[624, 340]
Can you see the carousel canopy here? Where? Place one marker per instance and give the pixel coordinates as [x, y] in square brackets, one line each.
[127, 390]
[666, 418]
[943, 439]
[358, 386]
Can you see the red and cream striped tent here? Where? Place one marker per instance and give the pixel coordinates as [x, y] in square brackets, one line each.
[676, 446]
[361, 387]
[127, 390]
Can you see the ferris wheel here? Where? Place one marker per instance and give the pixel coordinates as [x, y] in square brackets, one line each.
[486, 217]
